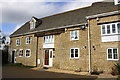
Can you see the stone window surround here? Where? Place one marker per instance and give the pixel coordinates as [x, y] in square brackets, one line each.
[49, 39]
[20, 52]
[74, 53]
[28, 40]
[113, 54]
[111, 29]
[18, 41]
[74, 35]
[29, 53]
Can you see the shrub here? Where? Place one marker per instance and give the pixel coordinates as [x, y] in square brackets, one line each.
[117, 66]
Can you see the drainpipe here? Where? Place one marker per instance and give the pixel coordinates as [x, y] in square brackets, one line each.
[89, 46]
[37, 52]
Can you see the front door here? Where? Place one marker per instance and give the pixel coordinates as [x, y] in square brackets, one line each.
[13, 56]
[48, 58]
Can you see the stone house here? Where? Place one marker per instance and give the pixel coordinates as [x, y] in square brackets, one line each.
[81, 39]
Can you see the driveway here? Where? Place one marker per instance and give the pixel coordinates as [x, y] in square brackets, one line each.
[20, 72]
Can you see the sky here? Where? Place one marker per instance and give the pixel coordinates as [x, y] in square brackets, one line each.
[14, 13]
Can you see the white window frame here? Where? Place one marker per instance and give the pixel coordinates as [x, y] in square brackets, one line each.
[74, 35]
[32, 23]
[29, 53]
[18, 42]
[116, 2]
[111, 32]
[113, 54]
[28, 39]
[74, 53]
[49, 39]
[20, 53]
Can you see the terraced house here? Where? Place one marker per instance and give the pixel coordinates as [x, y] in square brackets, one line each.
[81, 39]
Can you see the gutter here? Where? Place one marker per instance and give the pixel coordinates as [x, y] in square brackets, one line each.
[103, 14]
[89, 47]
[48, 29]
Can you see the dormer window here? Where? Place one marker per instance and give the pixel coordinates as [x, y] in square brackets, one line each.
[32, 23]
[117, 2]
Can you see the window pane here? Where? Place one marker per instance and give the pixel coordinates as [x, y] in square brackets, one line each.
[76, 52]
[118, 26]
[113, 28]
[103, 29]
[50, 54]
[108, 29]
[72, 34]
[72, 53]
[110, 53]
[76, 35]
[115, 54]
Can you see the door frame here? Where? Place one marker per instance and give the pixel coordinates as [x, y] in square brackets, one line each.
[14, 56]
[50, 59]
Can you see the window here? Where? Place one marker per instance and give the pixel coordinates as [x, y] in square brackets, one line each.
[74, 35]
[21, 53]
[112, 53]
[28, 40]
[117, 2]
[27, 53]
[103, 29]
[108, 29]
[18, 42]
[112, 28]
[118, 27]
[74, 53]
[32, 24]
[49, 39]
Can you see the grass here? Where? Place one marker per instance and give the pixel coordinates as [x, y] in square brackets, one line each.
[19, 65]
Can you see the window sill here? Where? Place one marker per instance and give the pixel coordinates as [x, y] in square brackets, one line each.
[27, 43]
[27, 56]
[74, 58]
[20, 56]
[112, 59]
[74, 40]
[17, 45]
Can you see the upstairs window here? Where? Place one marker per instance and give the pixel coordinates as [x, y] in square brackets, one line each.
[18, 42]
[74, 53]
[28, 40]
[21, 53]
[112, 28]
[74, 35]
[112, 54]
[117, 2]
[49, 39]
[32, 23]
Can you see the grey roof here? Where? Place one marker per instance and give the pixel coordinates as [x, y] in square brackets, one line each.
[69, 18]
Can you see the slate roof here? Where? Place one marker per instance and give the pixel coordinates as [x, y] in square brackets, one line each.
[77, 16]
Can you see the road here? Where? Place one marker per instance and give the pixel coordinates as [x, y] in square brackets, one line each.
[21, 72]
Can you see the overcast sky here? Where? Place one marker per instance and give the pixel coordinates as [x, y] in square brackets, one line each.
[15, 13]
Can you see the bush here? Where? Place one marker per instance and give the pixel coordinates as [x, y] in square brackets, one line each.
[117, 66]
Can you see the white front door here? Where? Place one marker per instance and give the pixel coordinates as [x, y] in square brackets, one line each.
[48, 59]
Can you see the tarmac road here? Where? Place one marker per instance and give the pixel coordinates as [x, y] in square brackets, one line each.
[20, 72]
